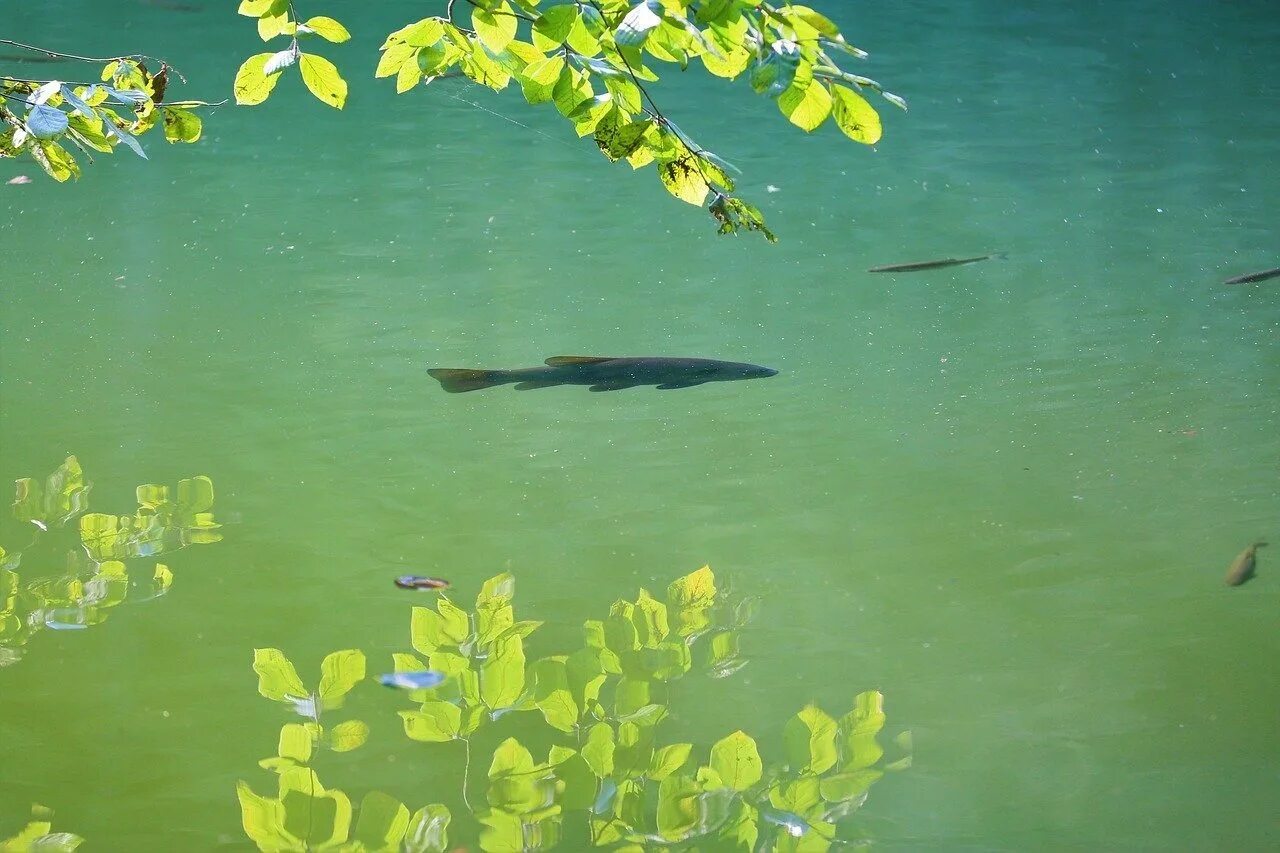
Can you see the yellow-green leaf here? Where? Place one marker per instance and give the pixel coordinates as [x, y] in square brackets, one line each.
[856, 118]
[323, 79]
[394, 58]
[436, 722]
[181, 125]
[810, 739]
[683, 180]
[339, 672]
[495, 29]
[737, 761]
[327, 28]
[276, 676]
[807, 106]
[348, 735]
[410, 73]
[253, 85]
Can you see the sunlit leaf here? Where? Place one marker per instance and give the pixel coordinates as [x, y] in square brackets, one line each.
[327, 28]
[277, 677]
[495, 28]
[858, 730]
[295, 743]
[807, 106]
[381, 823]
[668, 760]
[847, 786]
[435, 722]
[339, 672]
[502, 674]
[737, 761]
[687, 809]
[684, 180]
[638, 23]
[252, 84]
[810, 739]
[348, 735]
[552, 695]
[856, 118]
[598, 750]
[323, 79]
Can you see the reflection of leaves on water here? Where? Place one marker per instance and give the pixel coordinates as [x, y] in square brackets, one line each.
[608, 779]
[96, 578]
[38, 834]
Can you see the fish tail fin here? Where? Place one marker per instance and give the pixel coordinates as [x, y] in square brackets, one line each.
[999, 256]
[1259, 544]
[455, 380]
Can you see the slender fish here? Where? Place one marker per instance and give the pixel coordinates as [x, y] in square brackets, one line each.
[1251, 277]
[603, 373]
[1242, 568]
[933, 265]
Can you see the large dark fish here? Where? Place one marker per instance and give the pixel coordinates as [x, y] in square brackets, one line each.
[933, 265]
[1243, 566]
[603, 374]
[1251, 277]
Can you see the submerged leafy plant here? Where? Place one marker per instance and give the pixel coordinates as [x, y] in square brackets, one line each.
[96, 577]
[608, 779]
[38, 835]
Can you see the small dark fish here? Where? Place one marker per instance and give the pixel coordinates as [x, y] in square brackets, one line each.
[1251, 277]
[603, 373]
[933, 265]
[420, 582]
[412, 680]
[1243, 566]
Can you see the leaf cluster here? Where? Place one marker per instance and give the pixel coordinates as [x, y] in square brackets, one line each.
[93, 578]
[607, 774]
[47, 119]
[591, 60]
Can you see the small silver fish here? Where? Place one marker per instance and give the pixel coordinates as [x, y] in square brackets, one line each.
[917, 266]
[1242, 568]
[1251, 277]
[412, 680]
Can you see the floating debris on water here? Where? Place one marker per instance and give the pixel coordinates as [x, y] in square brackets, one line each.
[18, 179]
[917, 266]
[421, 582]
[412, 680]
[1243, 567]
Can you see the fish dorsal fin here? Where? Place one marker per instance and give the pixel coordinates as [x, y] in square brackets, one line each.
[560, 360]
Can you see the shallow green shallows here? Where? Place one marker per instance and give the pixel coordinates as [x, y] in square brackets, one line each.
[1003, 495]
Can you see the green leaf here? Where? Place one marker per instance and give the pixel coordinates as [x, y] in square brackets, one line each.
[428, 830]
[638, 23]
[856, 118]
[858, 730]
[683, 180]
[650, 618]
[382, 822]
[349, 735]
[737, 761]
[810, 739]
[394, 58]
[252, 85]
[552, 27]
[629, 696]
[579, 782]
[669, 759]
[686, 808]
[295, 743]
[435, 722]
[552, 695]
[181, 125]
[696, 589]
[502, 674]
[495, 29]
[339, 672]
[327, 28]
[570, 90]
[255, 8]
[277, 677]
[511, 758]
[807, 106]
[586, 676]
[422, 33]
[847, 786]
[410, 73]
[538, 80]
[598, 750]
[323, 79]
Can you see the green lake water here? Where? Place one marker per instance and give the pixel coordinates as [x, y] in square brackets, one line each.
[1004, 495]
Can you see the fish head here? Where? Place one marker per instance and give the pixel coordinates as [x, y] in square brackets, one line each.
[736, 370]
